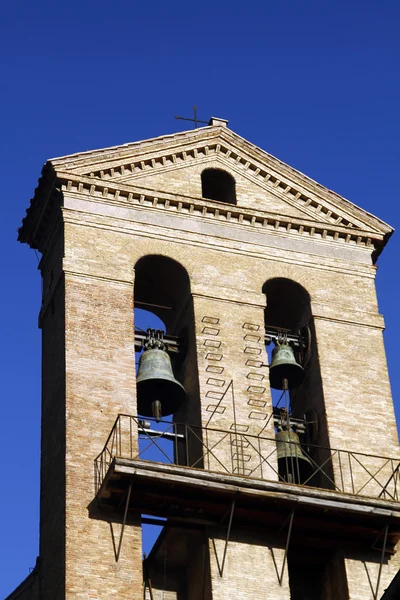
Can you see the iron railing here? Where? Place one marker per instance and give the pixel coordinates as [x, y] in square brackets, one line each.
[243, 454]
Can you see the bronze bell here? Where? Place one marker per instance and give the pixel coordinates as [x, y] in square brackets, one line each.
[293, 465]
[158, 392]
[285, 367]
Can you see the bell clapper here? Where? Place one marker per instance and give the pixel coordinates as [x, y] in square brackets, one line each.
[285, 388]
[156, 410]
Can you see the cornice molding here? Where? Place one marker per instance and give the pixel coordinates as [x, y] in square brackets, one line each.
[326, 214]
[267, 178]
[268, 183]
[103, 223]
[128, 195]
[171, 152]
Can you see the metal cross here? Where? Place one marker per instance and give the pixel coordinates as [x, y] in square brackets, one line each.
[195, 119]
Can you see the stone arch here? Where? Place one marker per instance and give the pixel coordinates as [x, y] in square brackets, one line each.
[288, 309]
[288, 304]
[162, 285]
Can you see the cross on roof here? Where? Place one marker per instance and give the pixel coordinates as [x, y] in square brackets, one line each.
[195, 119]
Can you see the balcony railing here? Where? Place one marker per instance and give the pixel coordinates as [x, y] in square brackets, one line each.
[245, 455]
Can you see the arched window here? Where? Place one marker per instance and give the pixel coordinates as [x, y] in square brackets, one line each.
[288, 304]
[162, 286]
[163, 300]
[288, 311]
[217, 184]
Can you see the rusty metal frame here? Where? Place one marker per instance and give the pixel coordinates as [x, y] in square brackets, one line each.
[280, 575]
[384, 532]
[230, 510]
[175, 344]
[394, 476]
[385, 536]
[113, 446]
[373, 476]
[117, 551]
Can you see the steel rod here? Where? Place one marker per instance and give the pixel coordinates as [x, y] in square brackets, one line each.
[381, 562]
[124, 522]
[286, 547]
[227, 536]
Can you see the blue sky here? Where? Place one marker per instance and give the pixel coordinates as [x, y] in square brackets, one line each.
[315, 84]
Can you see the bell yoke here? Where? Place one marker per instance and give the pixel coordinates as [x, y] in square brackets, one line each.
[160, 393]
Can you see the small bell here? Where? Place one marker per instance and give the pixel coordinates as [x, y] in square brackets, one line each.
[285, 367]
[158, 392]
[293, 465]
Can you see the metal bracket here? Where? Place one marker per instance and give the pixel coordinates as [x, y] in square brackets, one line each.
[230, 511]
[117, 552]
[385, 536]
[172, 344]
[289, 533]
[385, 532]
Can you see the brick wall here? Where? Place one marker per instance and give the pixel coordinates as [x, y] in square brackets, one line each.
[89, 372]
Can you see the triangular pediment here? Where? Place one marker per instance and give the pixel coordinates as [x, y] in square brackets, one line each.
[173, 163]
[185, 180]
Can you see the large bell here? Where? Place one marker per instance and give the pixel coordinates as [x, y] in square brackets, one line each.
[284, 368]
[158, 392]
[293, 465]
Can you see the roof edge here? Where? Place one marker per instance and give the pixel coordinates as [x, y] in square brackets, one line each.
[310, 185]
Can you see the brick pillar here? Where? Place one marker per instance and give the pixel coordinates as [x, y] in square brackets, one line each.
[100, 383]
[234, 387]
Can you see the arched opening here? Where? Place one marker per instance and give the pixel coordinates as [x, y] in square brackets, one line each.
[163, 301]
[288, 304]
[162, 286]
[288, 317]
[217, 184]
[287, 311]
[307, 458]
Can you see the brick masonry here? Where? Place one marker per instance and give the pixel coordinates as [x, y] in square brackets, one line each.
[88, 345]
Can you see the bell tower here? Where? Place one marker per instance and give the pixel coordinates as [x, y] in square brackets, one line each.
[259, 430]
